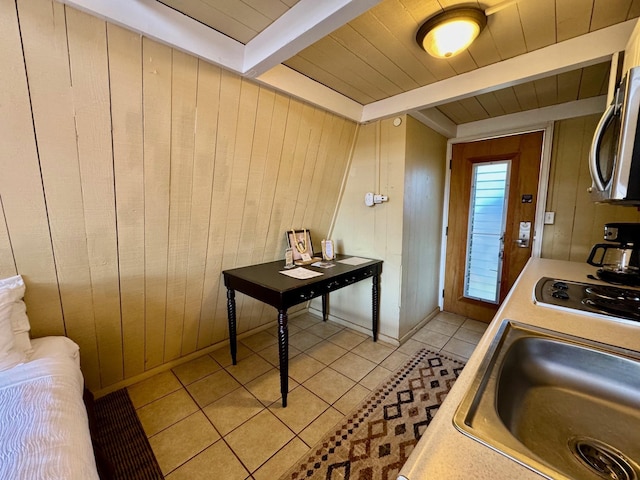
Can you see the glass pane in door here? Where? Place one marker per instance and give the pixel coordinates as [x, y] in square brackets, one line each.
[487, 219]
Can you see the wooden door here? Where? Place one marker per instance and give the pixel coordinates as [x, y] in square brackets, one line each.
[524, 152]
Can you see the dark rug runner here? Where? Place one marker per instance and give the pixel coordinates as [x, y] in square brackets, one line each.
[375, 440]
[120, 440]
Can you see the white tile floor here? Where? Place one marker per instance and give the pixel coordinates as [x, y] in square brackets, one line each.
[210, 416]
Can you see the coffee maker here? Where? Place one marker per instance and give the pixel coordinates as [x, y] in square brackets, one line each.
[619, 260]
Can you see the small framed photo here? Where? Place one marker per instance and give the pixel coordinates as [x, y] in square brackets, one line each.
[328, 252]
[300, 243]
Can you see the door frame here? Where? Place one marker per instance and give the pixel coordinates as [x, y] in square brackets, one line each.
[541, 197]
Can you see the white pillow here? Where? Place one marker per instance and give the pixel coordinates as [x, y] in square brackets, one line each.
[19, 320]
[9, 356]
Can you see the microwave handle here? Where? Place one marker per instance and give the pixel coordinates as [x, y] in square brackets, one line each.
[595, 146]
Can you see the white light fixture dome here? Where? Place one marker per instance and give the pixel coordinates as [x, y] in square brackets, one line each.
[449, 33]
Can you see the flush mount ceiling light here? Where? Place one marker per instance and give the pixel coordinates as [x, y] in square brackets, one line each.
[450, 32]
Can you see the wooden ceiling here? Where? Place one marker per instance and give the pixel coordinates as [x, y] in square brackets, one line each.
[241, 20]
[575, 85]
[366, 52]
[375, 56]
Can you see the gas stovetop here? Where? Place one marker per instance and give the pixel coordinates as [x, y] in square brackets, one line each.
[602, 300]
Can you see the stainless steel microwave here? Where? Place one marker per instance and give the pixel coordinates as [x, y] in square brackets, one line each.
[614, 158]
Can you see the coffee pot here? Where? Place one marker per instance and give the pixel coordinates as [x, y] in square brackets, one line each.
[620, 259]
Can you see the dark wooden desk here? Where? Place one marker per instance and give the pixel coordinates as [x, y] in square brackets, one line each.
[264, 282]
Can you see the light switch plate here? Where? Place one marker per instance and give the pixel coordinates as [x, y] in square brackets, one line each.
[549, 218]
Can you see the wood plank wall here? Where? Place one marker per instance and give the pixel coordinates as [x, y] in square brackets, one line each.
[579, 223]
[422, 223]
[132, 174]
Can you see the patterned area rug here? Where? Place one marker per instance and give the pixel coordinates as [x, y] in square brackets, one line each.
[374, 441]
[121, 446]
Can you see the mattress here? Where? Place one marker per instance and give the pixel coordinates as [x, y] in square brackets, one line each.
[44, 430]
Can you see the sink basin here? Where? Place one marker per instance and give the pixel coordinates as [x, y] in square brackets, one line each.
[563, 406]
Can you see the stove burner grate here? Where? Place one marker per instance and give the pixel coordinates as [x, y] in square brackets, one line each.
[617, 307]
[614, 293]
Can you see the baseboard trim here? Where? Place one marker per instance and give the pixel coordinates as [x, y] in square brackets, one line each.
[422, 323]
[354, 326]
[187, 358]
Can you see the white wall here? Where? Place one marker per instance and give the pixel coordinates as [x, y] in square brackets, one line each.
[376, 232]
[406, 163]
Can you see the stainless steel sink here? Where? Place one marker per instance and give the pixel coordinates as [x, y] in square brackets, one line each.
[560, 405]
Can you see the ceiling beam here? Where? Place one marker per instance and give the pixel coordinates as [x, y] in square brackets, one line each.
[303, 24]
[159, 22]
[437, 121]
[520, 120]
[290, 82]
[571, 54]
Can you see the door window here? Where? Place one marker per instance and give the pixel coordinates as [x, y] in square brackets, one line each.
[485, 238]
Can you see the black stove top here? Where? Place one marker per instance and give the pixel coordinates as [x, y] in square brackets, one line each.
[604, 300]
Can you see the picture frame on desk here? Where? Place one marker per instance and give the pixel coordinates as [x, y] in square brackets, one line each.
[300, 242]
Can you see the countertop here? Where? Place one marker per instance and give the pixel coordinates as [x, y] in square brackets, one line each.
[445, 453]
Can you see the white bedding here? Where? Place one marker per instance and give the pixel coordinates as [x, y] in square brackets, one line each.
[44, 432]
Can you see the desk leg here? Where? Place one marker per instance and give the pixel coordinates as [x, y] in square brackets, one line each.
[325, 307]
[283, 349]
[231, 315]
[375, 302]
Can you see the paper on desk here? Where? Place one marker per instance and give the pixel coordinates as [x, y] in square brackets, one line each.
[323, 264]
[354, 260]
[300, 273]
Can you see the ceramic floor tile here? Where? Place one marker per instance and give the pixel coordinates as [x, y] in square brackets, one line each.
[259, 341]
[232, 410]
[329, 385]
[320, 426]
[373, 351]
[451, 318]
[453, 356]
[475, 325]
[303, 407]
[272, 354]
[166, 411]
[347, 339]
[223, 355]
[282, 461]
[325, 329]
[196, 369]
[249, 368]
[376, 377]
[304, 340]
[459, 347]
[467, 335]
[351, 399]
[353, 366]
[293, 329]
[410, 347]
[183, 441]
[255, 441]
[304, 321]
[153, 388]
[394, 361]
[266, 388]
[260, 439]
[217, 458]
[303, 367]
[441, 326]
[431, 338]
[212, 387]
[326, 352]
